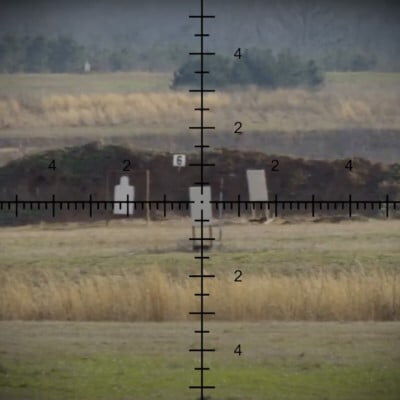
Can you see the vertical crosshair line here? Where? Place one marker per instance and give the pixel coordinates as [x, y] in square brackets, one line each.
[202, 349]
[202, 306]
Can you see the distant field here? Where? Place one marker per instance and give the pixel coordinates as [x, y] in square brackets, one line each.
[142, 102]
[148, 361]
[347, 117]
[369, 78]
[39, 85]
[42, 85]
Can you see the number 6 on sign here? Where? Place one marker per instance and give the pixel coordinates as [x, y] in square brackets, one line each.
[179, 160]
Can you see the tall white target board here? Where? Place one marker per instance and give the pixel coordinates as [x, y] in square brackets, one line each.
[124, 193]
[257, 183]
[200, 201]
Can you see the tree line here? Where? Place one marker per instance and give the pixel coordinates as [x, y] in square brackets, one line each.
[253, 67]
[64, 54]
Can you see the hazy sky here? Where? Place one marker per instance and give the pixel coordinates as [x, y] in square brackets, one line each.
[305, 25]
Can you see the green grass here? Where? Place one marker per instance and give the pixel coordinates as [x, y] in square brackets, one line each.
[33, 85]
[150, 361]
[38, 85]
[288, 248]
[368, 77]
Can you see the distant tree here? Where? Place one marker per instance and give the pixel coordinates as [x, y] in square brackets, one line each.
[11, 54]
[37, 55]
[121, 60]
[347, 60]
[262, 68]
[65, 55]
[313, 74]
[362, 62]
[221, 72]
[256, 67]
[290, 71]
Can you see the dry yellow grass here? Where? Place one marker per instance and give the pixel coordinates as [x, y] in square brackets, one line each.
[156, 296]
[333, 107]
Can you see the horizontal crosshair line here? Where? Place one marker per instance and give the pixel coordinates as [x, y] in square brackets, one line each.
[88, 201]
[201, 276]
[304, 202]
[285, 203]
[214, 202]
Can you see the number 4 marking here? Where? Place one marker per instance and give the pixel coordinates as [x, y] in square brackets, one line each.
[238, 53]
[52, 165]
[238, 350]
[349, 165]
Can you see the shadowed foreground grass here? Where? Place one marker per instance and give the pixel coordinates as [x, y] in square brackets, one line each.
[146, 361]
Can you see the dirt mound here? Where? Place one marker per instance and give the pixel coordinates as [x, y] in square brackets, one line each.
[94, 170]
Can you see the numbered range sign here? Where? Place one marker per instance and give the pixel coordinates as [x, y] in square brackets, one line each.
[179, 160]
[200, 202]
[257, 183]
[123, 193]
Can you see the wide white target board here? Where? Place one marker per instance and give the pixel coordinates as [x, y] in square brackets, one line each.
[123, 194]
[200, 202]
[257, 184]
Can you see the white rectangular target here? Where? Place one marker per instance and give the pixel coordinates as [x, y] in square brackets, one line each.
[201, 201]
[257, 183]
[123, 194]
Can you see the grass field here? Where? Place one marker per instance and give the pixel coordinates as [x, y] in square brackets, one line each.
[142, 103]
[43, 85]
[345, 118]
[148, 361]
[130, 272]
[293, 270]
[278, 247]
[39, 85]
